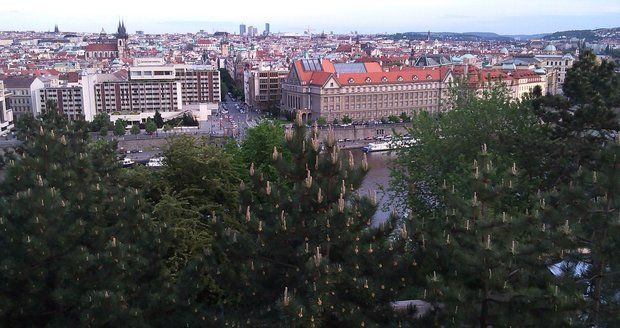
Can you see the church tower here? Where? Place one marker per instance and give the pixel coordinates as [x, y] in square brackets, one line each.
[121, 40]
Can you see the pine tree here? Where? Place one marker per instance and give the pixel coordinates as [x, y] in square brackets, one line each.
[159, 121]
[586, 208]
[486, 258]
[75, 246]
[308, 254]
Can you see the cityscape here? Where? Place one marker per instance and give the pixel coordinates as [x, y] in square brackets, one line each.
[265, 175]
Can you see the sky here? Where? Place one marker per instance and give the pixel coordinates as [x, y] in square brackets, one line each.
[339, 16]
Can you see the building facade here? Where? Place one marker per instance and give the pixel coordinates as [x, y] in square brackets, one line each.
[264, 87]
[24, 94]
[362, 91]
[6, 115]
[151, 86]
[68, 101]
[560, 64]
[110, 49]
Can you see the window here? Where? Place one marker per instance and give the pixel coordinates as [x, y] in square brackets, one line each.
[415, 77]
[368, 80]
[400, 78]
[384, 79]
[351, 80]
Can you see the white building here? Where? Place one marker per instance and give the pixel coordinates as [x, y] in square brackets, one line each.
[24, 94]
[6, 115]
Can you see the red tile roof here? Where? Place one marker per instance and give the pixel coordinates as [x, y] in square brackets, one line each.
[101, 47]
[374, 74]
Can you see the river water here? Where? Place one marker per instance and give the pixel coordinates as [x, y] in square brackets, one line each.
[377, 178]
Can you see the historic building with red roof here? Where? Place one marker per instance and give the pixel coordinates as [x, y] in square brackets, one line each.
[362, 91]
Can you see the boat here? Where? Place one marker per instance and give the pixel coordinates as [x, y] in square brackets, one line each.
[128, 162]
[156, 162]
[388, 145]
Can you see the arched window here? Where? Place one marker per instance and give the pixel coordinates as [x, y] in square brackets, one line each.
[351, 80]
[384, 79]
[400, 78]
[368, 80]
[415, 77]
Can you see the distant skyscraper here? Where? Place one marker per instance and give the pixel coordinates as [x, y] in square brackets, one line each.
[267, 29]
[242, 29]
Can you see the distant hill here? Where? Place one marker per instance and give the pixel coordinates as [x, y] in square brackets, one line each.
[588, 35]
[467, 36]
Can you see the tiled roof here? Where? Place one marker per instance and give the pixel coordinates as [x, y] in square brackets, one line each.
[374, 74]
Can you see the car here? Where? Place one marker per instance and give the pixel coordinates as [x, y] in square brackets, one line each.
[368, 138]
[345, 124]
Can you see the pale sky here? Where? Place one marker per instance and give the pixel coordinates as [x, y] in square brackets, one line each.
[340, 16]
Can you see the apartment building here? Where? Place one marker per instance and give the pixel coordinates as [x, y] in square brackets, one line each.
[151, 85]
[68, 100]
[362, 91]
[263, 87]
[24, 94]
[6, 115]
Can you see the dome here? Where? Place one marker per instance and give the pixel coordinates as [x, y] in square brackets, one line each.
[504, 51]
[550, 48]
[468, 56]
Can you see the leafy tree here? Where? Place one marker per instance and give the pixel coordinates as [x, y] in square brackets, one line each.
[308, 253]
[384, 120]
[393, 119]
[99, 121]
[335, 121]
[404, 117]
[135, 129]
[103, 131]
[150, 126]
[119, 127]
[321, 121]
[159, 121]
[167, 127]
[258, 145]
[485, 257]
[346, 119]
[449, 142]
[75, 246]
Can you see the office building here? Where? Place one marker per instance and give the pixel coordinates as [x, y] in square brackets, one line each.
[267, 30]
[264, 87]
[242, 29]
[362, 91]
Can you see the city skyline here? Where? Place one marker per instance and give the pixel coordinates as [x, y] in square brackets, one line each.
[523, 17]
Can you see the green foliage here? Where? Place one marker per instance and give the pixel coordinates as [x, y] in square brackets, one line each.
[159, 121]
[103, 131]
[321, 120]
[404, 117]
[75, 246]
[335, 121]
[100, 121]
[346, 119]
[150, 126]
[448, 143]
[486, 256]
[258, 147]
[591, 83]
[308, 253]
[230, 84]
[135, 129]
[585, 209]
[393, 119]
[167, 127]
[119, 127]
